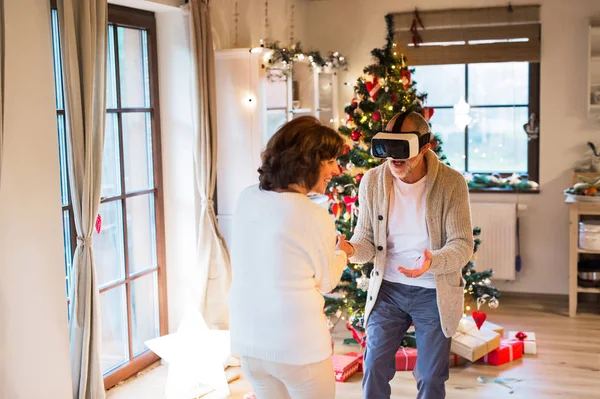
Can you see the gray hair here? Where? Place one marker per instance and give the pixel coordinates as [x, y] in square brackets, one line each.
[415, 118]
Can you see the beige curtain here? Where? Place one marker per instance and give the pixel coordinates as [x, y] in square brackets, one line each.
[214, 269]
[83, 28]
[1, 84]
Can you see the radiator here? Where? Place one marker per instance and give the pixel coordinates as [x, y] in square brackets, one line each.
[498, 223]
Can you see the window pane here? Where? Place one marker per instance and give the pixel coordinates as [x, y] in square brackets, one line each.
[444, 84]
[108, 244]
[111, 71]
[115, 348]
[144, 311]
[442, 123]
[141, 233]
[499, 83]
[58, 84]
[497, 142]
[62, 159]
[111, 165]
[275, 119]
[67, 243]
[325, 90]
[137, 146]
[133, 67]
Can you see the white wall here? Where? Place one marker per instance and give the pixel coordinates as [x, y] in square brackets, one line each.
[251, 24]
[34, 348]
[175, 77]
[564, 126]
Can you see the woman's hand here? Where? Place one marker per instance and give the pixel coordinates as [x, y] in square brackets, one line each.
[421, 266]
[343, 245]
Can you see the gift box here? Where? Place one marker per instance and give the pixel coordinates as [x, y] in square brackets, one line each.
[456, 360]
[406, 358]
[359, 336]
[508, 351]
[472, 343]
[344, 366]
[528, 338]
[488, 325]
[360, 359]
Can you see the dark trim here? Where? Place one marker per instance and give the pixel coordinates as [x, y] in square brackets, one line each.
[127, 280]
[466, 129]
[501, 191]
[128, 195]
[130, 17]
[533, 146]
[125, 110]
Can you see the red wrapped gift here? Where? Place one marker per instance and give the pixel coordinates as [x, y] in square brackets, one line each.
[406, 358]
[344, 366]
[359, 336]
[360, 359]
[508, 351]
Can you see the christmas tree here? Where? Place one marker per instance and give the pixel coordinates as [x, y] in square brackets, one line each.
[385, 89]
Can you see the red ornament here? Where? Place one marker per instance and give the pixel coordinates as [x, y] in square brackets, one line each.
[359, 177]
[376, 116]
[336, 209]
[394, 98]
[355, 135]
[373, 87]
[427, 113]
[349, 201]
[405, 77]
[98, 223]
[479, 318]
[346, 149]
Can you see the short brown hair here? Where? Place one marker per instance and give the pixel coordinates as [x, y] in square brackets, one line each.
[294, 154]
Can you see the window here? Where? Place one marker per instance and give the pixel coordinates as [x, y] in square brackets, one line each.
[501, 96]
[129, 249]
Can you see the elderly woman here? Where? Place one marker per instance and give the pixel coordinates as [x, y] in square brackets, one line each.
[285, 255]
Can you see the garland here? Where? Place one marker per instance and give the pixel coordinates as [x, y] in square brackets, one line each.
[282, 57]
[512, 183]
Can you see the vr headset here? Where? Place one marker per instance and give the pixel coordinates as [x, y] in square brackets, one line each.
[403, 145]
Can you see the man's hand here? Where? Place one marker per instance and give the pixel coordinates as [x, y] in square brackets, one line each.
[342, 244]
[421, 266]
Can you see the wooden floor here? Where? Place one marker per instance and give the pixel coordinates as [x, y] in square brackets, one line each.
[567, 364]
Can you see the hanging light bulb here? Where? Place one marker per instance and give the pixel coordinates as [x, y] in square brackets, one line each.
[461, 113]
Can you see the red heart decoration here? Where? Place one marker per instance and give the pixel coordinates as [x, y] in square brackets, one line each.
[427, 113]
[373, 88]
[479, 318]
[98, 223]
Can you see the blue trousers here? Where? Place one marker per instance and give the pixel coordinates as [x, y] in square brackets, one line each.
[396, 307]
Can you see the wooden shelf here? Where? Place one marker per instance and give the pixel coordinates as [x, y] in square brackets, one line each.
[594, 106]
[301, 110]
[587, 251]
[588, 290]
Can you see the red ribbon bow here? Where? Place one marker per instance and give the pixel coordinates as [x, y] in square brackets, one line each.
[520, 336]
[416, 38]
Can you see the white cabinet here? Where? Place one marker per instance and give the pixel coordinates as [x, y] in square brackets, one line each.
[316, 93]
[252, 103]
[594, 71]
[250, 108]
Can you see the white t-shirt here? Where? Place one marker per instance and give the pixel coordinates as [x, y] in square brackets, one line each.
[407, 234]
